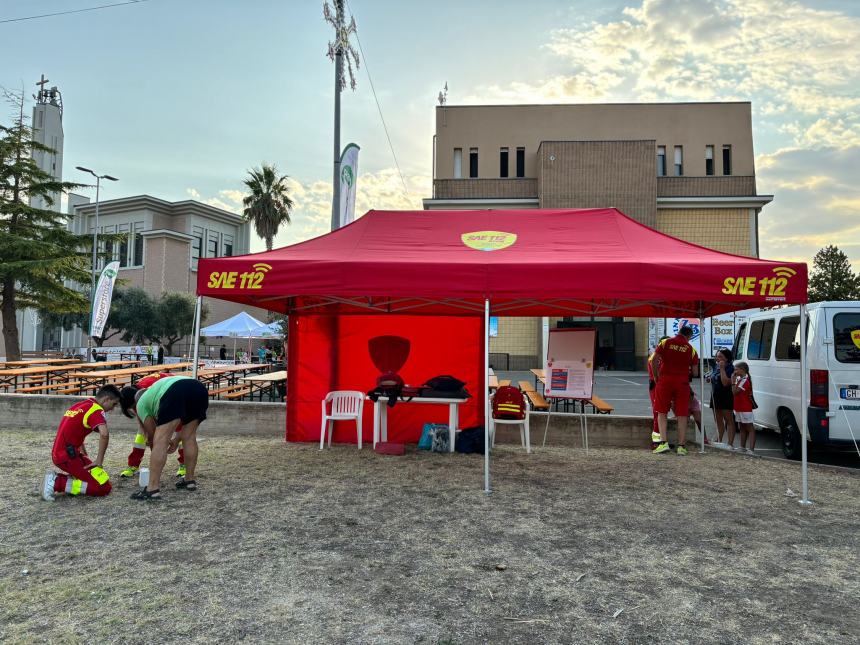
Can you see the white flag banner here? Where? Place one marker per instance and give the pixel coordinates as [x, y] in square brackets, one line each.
[101, 301]
[348, 176]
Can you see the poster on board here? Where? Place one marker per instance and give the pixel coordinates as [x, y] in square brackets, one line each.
[569, 366]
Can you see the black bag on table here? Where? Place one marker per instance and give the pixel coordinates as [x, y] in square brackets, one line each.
[445, 387]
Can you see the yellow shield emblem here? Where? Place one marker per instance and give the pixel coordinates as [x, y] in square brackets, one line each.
[488, 240]
[855, 336]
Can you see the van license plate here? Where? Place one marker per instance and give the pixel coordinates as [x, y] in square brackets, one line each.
[849, 393]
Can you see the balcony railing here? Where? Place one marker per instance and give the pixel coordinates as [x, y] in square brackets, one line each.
[712, 186]
[517, 188]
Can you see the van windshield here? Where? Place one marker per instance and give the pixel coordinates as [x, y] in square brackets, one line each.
[846, 337]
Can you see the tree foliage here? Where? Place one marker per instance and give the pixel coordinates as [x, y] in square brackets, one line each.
[268, 205]
[832, 277]
[175, 318]
[38, 254]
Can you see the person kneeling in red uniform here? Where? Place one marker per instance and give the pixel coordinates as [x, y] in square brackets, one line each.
[81, 475]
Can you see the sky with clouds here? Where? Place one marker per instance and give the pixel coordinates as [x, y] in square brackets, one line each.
[179, 98]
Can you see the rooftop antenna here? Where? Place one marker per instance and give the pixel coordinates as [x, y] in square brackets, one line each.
[443, 95]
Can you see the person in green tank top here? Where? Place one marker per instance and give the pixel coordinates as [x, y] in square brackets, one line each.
[169, 411]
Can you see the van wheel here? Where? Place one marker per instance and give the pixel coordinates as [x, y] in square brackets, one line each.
[790, 435]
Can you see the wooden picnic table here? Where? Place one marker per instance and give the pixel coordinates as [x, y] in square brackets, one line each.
[598, 405]
[100, 377]
[9, 378]
[493, 381]
[263, 382]
[35, 362]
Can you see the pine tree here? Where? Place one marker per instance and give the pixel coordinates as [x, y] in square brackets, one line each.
[832, 277]
[37, 251]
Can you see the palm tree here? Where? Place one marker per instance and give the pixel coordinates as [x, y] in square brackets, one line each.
[268, 206]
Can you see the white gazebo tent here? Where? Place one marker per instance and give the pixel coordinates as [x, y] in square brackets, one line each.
[242, 325]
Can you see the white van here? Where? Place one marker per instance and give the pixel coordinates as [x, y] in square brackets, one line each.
[769, 341]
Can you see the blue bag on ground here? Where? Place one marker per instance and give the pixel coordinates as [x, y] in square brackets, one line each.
[470, 440]
[426, 441]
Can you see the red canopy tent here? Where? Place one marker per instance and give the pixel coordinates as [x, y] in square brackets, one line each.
[436, 274]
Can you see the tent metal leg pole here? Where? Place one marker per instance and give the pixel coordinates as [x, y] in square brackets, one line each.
[487, 490]
[804, 421]
[196, 338]
[702, 379]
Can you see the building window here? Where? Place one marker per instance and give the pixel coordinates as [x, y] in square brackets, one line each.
[137, 245]
[122, 256]
[709, 160]
[196, 242]
[212, 247]
[679, 161]
[727, 160]
[661, 161]
[473, 162]
[228, 245]
[458, 163]
[503, 162]
[521, 162]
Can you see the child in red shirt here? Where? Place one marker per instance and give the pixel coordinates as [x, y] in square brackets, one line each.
[743, 405]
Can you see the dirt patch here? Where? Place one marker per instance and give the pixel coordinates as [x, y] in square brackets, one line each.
[286, 543]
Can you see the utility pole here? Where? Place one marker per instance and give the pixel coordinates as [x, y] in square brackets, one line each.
[338, 75]
[339, 49]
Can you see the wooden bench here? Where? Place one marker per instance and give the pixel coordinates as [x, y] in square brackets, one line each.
[238, 394]
[230, 391]
[526, 386]
[52, 386]
[504, 382]
[537, 401]
[600, 406]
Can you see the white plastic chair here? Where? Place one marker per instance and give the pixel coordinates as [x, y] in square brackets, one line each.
[345, 405]
[525, 437]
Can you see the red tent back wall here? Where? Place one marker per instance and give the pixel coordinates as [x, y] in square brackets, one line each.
[329, 353]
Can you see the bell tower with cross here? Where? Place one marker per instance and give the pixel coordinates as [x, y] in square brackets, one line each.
[47, 127]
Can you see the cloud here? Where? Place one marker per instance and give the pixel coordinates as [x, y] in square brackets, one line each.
[816, 203]
[800, 66]
[311, 213]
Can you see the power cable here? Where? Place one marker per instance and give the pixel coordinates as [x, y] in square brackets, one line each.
[379, 108]
[63, 13]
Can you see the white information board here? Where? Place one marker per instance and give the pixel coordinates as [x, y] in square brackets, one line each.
[569, 367]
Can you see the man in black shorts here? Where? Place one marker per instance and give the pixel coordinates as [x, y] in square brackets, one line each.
[161, 409]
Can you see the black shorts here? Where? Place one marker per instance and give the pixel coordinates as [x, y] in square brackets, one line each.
[187, 400]
[723, 399]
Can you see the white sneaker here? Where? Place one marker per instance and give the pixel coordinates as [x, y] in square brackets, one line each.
[750, 451]
[722, 445]
[48, 486]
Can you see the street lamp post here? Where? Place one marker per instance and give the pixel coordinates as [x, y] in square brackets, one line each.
[95, 233]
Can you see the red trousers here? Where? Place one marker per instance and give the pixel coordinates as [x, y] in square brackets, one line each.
[80, 479]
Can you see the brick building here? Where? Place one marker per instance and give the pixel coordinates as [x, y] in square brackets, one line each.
[161, 245]
[686, 169]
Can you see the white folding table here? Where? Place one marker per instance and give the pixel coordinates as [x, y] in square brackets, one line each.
[380, 415]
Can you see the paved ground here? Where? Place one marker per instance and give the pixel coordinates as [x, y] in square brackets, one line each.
[628, 393]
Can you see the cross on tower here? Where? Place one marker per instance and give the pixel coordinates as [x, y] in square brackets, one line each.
[42, 83]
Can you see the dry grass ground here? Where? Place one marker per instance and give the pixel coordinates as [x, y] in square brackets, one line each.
[283, 543]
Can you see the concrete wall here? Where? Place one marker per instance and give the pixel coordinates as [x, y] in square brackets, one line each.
[691, 125]
[269, 419]
[225, 417]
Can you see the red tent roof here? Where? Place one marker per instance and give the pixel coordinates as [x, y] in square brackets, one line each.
[527, 262]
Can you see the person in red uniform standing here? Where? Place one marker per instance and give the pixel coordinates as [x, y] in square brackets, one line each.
[81, 475]
[138, 448]
[672, 372]
[652, 394]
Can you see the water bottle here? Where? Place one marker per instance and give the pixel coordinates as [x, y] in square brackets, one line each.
[143, 477]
